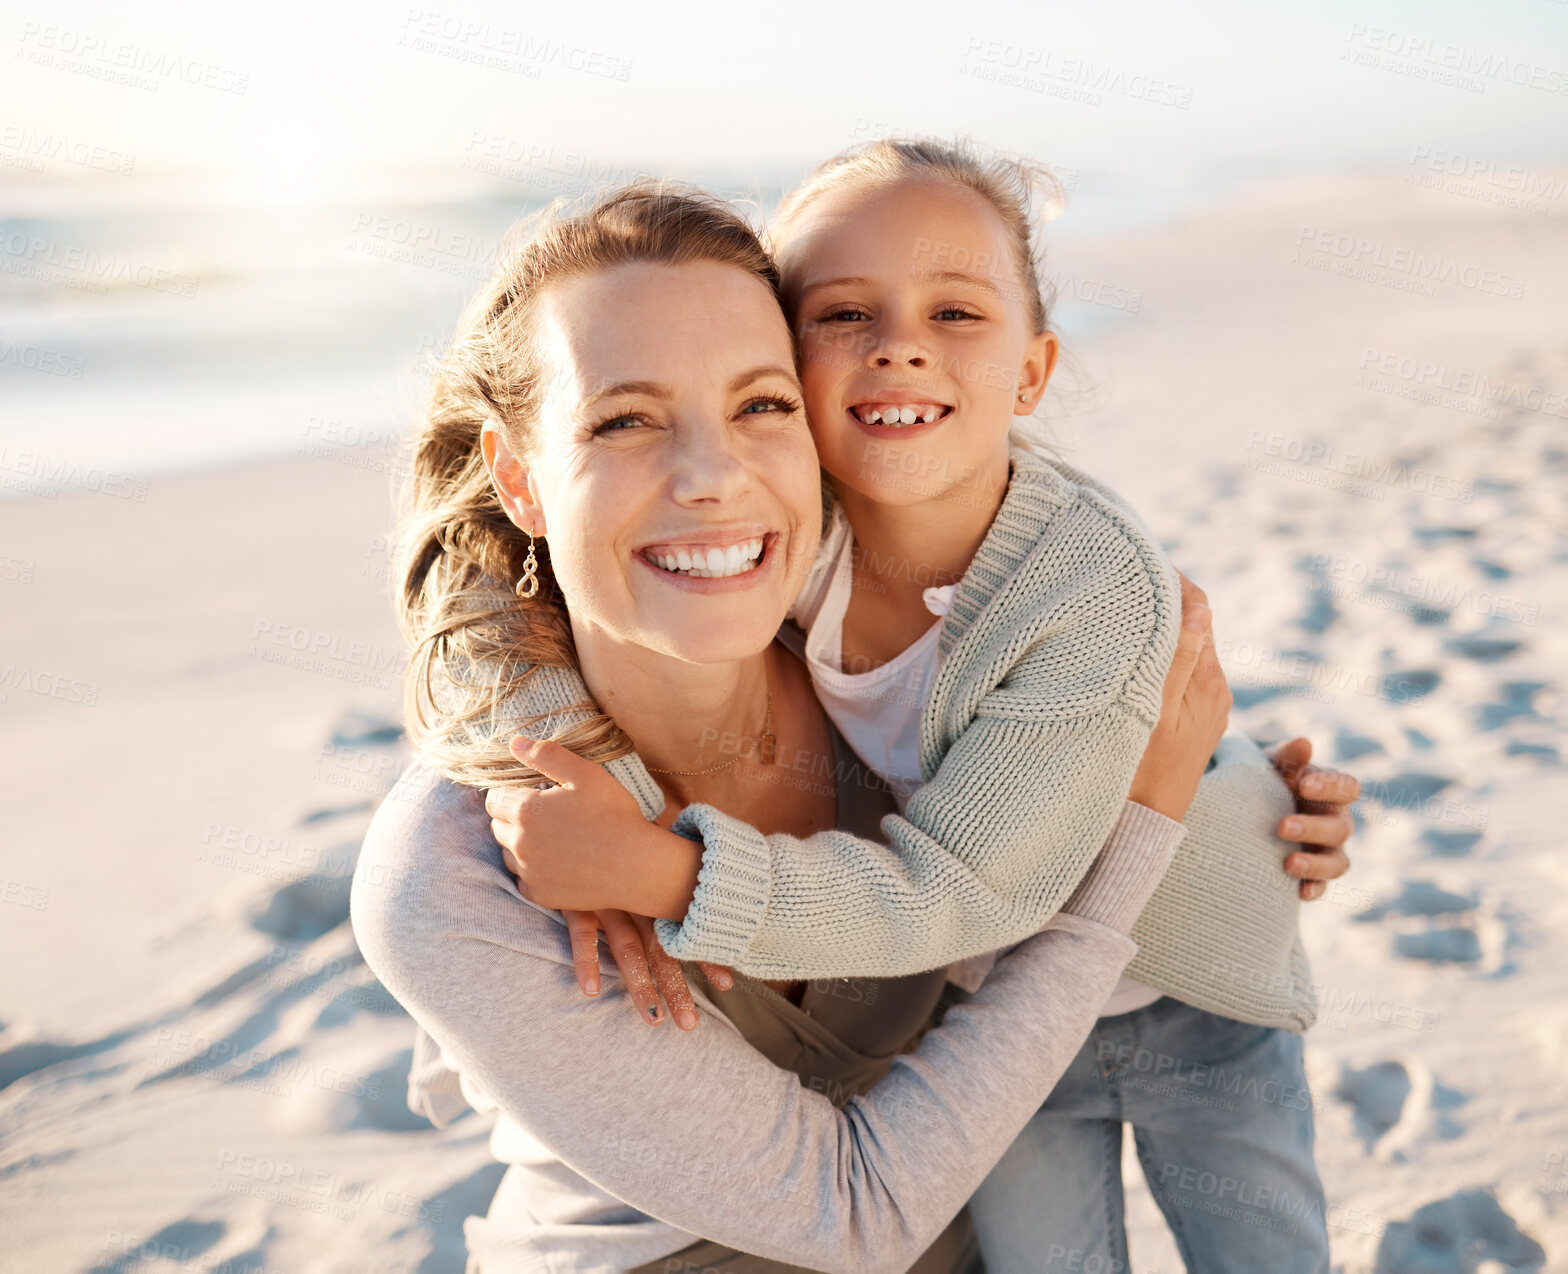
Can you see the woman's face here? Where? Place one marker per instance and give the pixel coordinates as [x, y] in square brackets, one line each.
[671, 468]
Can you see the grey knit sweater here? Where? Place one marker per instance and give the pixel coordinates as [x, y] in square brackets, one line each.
[1055, 649]
[624, 1143]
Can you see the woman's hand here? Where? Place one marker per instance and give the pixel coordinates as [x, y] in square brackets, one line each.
[1193, 714]
[582, 842]
[647, 969]
[1321, 823]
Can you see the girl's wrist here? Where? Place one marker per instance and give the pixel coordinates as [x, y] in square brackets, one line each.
[665, 879]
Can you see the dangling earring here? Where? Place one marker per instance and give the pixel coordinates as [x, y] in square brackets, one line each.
[529, 584]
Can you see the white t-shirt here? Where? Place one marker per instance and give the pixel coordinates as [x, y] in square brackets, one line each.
[878, 711]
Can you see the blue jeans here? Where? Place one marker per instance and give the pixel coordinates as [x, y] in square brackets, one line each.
[1222, 1120]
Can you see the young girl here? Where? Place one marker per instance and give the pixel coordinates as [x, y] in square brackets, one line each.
[989, 629]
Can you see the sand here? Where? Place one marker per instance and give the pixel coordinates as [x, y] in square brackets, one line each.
[1341, 403]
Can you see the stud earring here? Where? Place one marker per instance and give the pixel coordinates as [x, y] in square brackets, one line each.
[529, 584]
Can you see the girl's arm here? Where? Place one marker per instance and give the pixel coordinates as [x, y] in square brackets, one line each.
[701, 1131]
[985, 854]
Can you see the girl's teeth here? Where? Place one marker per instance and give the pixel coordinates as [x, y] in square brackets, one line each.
[897, 416]
[682, 560]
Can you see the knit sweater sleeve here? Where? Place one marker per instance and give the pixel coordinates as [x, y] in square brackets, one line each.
[1039, 718]
[760, 1162]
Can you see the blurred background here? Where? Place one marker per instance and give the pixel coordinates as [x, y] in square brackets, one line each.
[1310, 270]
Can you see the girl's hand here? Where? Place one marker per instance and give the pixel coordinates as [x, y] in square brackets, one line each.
[647, 969]
[580, 842]
[1321, 823]
[1193, 715]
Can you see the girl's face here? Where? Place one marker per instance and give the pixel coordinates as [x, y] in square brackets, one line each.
[671, 467]
[915, 338]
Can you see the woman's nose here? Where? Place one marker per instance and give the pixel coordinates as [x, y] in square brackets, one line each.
[706, 467]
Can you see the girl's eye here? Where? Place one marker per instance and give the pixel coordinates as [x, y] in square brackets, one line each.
[954, 312]
[850, 315]
[763, 406]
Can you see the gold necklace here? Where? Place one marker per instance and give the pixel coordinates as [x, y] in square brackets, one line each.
[767, 745]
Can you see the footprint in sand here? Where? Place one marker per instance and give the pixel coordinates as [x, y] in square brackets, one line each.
[1461, 1234]
[373, 1097]
[1348, 746]
[1397, 1103]
[1443, 844]
[360, 729]
[1377, 1096]
[302, 909]
[1515, 699]
[1458, 928]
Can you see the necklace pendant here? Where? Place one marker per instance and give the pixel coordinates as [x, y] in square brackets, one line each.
[767, 747]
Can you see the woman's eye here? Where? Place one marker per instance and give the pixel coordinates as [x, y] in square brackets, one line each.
[760, 406]
[618, 424]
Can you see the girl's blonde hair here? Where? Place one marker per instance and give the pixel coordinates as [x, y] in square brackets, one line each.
[475, 642]
[1023, 193]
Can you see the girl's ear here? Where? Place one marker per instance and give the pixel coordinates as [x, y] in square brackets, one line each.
[1039, 362]
[512, 479]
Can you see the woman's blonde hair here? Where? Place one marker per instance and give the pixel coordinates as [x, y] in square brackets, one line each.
[475, 642]
[1023, 193]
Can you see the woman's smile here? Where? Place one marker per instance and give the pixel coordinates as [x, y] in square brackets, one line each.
[715, 562]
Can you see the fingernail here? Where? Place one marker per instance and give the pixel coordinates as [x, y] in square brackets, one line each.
[1312, 785]
[687, 1019]
[1195, 618]
[653, 1013]
[724, 981]
[592, 986]
[1293, 827]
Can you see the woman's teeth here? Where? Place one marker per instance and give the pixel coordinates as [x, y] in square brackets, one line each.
[713, 563]
[907, 414]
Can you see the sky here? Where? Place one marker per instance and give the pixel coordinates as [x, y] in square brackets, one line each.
[293, 100]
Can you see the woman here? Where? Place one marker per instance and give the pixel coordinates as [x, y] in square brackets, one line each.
[661, 309]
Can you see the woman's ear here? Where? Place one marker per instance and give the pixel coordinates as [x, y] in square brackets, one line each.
[512, 479]
[1039, 362]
